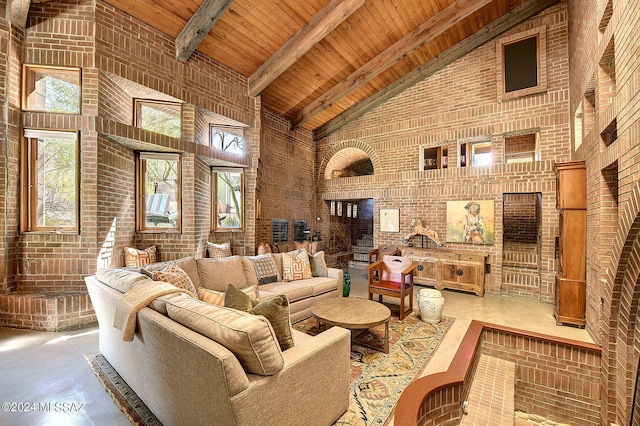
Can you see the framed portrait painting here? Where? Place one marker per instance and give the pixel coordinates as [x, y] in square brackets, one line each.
[389, 220]
[470, 221]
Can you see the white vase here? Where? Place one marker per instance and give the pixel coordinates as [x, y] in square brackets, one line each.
[430, 302]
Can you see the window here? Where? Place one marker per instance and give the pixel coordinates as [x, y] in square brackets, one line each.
[49, 181]
[229, 196]
[159, 116]
[475, 154]
[229, 139]
[158, 189]
[520, 148]
[51, 89]
[522, 64]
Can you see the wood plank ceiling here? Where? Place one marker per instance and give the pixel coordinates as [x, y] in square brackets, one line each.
[322, 63]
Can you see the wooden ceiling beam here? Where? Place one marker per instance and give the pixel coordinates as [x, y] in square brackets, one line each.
[19, 9]
[480, 37]
[427, 31]
[199, 26]
[321, 24]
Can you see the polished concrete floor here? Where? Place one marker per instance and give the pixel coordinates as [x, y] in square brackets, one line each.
[45, 379]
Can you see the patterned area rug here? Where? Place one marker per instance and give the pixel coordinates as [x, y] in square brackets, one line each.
[125, 398]
[378, 379]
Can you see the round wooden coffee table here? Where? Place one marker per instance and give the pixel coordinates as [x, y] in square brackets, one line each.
[354, 314]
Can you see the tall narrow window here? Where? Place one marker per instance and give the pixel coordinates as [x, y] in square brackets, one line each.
[229, 196]
[228, 139]
[158, 189]
[49, 181]
[159, 116]
[51, 89]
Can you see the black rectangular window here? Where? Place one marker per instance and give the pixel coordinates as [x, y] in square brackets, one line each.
[521, 64]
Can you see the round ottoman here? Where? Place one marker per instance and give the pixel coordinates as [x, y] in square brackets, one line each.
[430, 302]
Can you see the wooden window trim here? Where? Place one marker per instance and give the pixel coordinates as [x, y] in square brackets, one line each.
[214, 197]
[28, 82]
[28, 180]
[139, 102]
[141, 216]
[541, 53]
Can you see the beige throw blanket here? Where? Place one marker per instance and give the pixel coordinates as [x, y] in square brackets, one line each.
[137, 298]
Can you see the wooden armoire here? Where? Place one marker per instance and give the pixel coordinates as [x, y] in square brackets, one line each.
[571, 202]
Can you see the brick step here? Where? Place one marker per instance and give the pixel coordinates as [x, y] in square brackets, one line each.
[46, 311]
[512, 275]
[518, 258]
[491, 396]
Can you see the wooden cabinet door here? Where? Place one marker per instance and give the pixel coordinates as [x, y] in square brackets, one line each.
[448, 273]
[571, 185]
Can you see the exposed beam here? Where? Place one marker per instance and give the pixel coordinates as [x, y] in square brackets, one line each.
[427, 31]
[199, 26]
[480, 37]
[19, 9]
[321, 24]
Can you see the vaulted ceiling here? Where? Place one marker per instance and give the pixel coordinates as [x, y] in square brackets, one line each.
[322, 63]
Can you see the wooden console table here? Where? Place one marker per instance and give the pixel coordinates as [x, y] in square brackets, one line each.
[448, 269]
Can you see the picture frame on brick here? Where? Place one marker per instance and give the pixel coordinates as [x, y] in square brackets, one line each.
[389, 220]
[470, 221]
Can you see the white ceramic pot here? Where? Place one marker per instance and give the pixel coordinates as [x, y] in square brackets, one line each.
[430, 302]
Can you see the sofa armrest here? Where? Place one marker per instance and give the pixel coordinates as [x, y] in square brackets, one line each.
[312, 388]
[338, 274]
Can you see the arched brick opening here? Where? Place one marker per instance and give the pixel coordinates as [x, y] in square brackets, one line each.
[620, 338]
[349, 158]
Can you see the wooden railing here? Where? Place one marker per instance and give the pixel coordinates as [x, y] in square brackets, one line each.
[437, 398]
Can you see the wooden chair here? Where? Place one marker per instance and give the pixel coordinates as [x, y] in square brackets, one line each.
[396, 280]
[382, 250]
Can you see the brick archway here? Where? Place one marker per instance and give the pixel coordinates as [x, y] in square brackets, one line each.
[620, 338]
[344, 154]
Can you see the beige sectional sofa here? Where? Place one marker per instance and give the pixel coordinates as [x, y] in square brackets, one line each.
[187, 378]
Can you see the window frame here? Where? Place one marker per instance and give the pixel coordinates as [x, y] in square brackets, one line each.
[29, 181]
[141, 195]
[224, 127]
[28, 82]
[138, 103]
[541, 55]
[215, 204]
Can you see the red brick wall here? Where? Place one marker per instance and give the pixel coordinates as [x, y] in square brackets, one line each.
[521, 218]
[455, 104]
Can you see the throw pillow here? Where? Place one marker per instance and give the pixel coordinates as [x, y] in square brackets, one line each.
[295, 267]
[173, 274]
[217, 251]
[263, 248]
[275, 309]
[134, 257]
[217, 297]
[216, 274]
[318, 265]
[250, 337]
[265, 267]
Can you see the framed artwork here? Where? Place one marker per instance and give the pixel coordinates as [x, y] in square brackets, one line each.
[389, 220]
[470, 221]
[332, 210]
[339, 208]
[348, 209]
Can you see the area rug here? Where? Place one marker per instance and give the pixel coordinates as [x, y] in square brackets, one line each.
[124, 397]
[378, 379]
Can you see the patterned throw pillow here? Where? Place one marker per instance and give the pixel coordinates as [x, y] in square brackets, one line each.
[217, 251]
[265, 266]
[213, 297]
[275, 309]
[295, 267]
[134, 257]
[173, 274]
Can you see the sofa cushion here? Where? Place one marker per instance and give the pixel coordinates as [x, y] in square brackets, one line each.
[295, 267]
[264, 267]
[294, 290]
[275, 309]
[134, 257]
[250, 337]
[119, 279]
[217, 251]
[217, 297]
[318, 265]
[173, 274]
[190, 266]
[217, 274]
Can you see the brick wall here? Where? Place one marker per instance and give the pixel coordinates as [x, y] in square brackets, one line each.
[521, 218]
[459, 104]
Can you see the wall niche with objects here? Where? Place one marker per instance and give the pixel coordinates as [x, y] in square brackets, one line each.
[436, 157]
